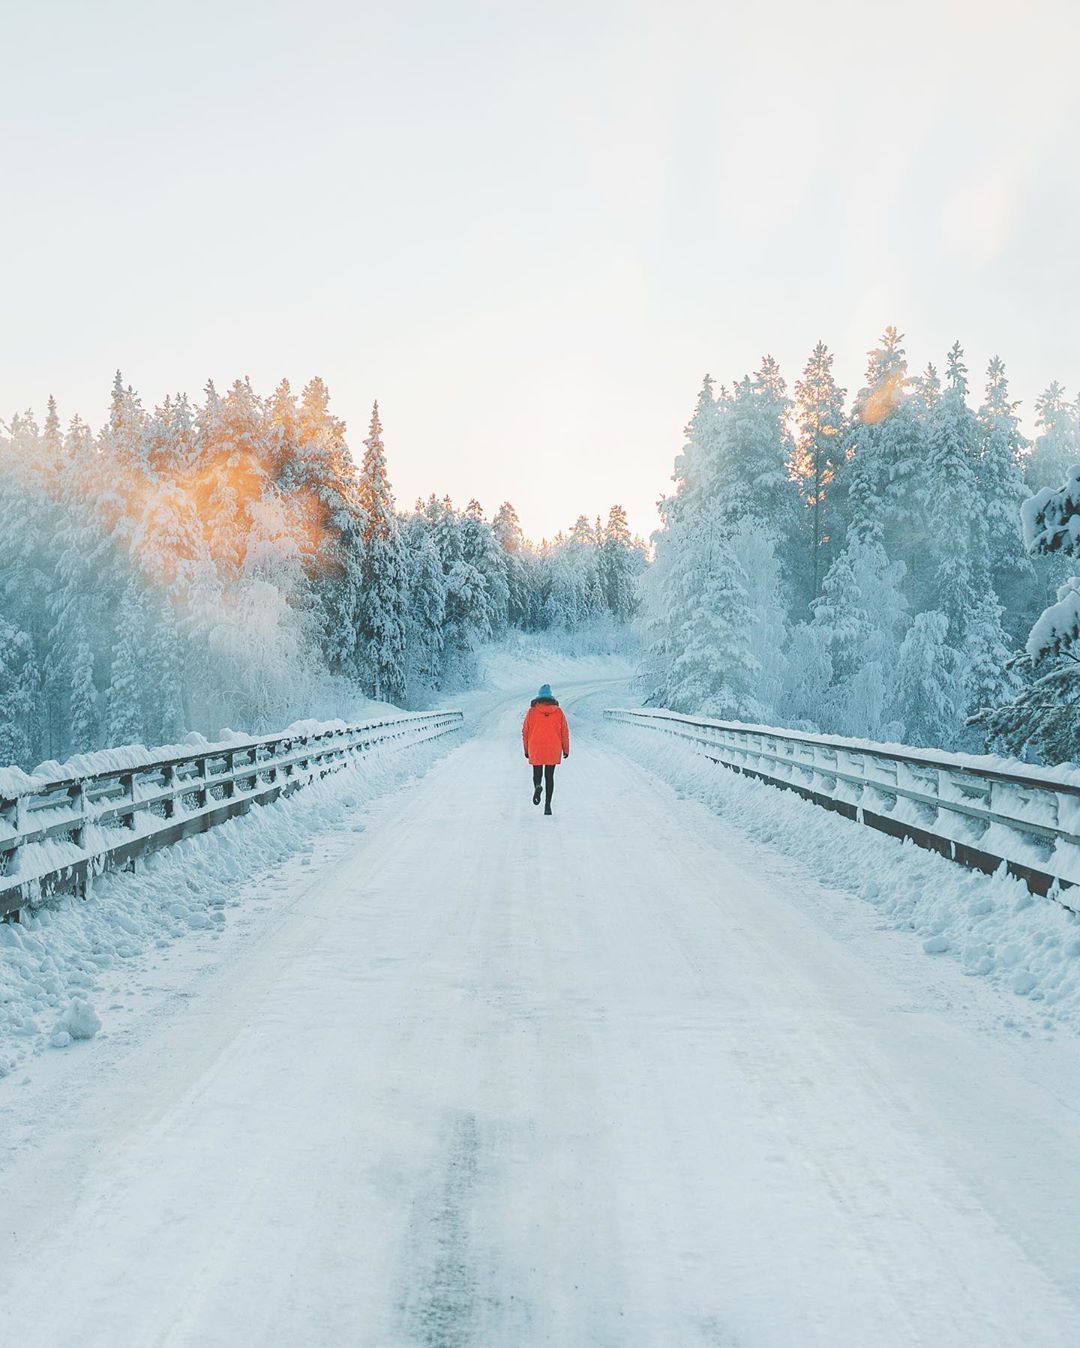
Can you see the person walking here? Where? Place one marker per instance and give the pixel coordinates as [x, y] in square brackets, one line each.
[546, 738]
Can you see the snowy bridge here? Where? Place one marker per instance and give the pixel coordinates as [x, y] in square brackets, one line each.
[451, 1074]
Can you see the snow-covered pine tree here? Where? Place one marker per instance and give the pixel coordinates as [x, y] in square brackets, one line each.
[840, 613]
[820, 452]
[385, 590]
[883, 482]
[1001, 491]
[231, 472]
[750, 477]
[480, 548]
[19, 680]
[521, 605]
[52, 447]
[318, 478]
[83, 699]
[666, 599]
[928, 689]
[990, 678]
[712, 670]
[426, 618]
[957, 536]
[126, 722]
[165, 714]
[807, 678]
[620, 564]
[1043, 719]
[696, 612]
[860, 613]
[1057, 445]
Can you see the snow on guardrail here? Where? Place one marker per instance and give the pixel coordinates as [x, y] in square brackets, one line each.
[978, 810]
[63, 824]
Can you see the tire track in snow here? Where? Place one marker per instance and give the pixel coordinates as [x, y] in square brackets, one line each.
[441, 1312]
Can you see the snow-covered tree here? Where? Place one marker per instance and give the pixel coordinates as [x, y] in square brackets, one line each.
[620, 564]
[480, 548]
[18, 696]
[127, 687]
[820, 454]
[1043, 718]
[928, 689]
[1002, 489]
[382, 624]
[426, 616]
[1057, 445]
[860, 615]
[83, 718]
[883, 480]
[712, 669]
[957, 537]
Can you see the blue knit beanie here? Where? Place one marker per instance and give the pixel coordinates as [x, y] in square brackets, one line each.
[545, 691]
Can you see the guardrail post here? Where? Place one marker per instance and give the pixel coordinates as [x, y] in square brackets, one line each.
[77, 795]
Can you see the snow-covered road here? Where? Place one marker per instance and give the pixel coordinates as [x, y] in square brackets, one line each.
[500, 1080]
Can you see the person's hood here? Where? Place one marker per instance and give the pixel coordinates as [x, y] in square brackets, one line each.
[543, 702]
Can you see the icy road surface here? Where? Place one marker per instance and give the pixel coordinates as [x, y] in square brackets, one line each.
[499, 1080]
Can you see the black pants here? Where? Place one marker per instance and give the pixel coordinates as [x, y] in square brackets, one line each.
[547, 775]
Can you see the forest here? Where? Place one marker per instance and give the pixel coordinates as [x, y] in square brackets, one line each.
[230, 563]
[863, 568]
[897, 566]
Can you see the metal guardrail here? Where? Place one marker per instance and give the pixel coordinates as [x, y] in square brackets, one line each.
[980, 816]
[61, 833]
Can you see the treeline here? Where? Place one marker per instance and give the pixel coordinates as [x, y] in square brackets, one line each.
[857, 569]
[229, 563]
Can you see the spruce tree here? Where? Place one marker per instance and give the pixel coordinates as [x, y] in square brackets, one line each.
[619, 566]
[385, 590]
[713, 671]
[126, 722]
[508, 533]
[883, 481]
[427, 616]
[19, 681]
[83, 716]
[1001, 491]
[820, 452]
[1057, 446]
[957, 542]
[928, 691]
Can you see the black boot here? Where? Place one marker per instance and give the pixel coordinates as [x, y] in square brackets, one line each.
[536, 795]
[547, 809]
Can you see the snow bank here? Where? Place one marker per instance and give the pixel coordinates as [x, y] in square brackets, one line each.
[60, 956]
[992, 925]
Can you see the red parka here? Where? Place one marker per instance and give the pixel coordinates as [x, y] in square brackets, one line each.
[545, 734]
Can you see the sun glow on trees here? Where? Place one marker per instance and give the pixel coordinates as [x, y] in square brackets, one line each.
[228, 563]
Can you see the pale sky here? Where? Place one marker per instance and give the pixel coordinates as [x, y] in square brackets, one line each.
[529, 229]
